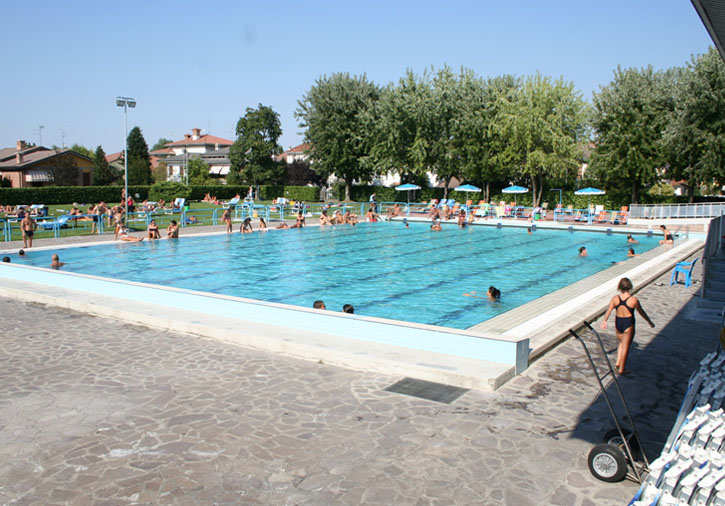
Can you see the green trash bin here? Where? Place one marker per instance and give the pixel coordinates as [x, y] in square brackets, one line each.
[186, 207]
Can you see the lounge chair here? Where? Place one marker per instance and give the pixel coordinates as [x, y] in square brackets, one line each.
[685, 268]
[602, 217]
[60, 222]
[179, 204]
[233, 202]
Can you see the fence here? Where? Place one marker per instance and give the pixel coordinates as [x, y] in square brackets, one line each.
[669, 211]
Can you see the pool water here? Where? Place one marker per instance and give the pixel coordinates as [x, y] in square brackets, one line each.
[382, 269]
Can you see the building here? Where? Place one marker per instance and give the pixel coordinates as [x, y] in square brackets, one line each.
[26, 166]
[296, 154]
[214, 151]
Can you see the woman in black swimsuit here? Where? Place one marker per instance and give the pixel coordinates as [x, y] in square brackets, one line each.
[624, 306]
[669, 239]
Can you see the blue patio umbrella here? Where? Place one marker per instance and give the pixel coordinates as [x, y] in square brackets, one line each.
[467, 188]
[515, 189]
[407, 187]
[590, 192]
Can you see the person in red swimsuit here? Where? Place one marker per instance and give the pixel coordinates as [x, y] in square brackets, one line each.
[624, 306]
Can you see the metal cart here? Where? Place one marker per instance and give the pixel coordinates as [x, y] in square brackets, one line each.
[614, 458]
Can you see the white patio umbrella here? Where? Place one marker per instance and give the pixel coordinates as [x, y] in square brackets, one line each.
[515, 189]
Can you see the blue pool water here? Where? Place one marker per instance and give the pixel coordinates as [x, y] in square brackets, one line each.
[382, 269]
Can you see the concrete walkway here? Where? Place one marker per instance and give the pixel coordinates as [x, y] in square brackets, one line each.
[97, 411]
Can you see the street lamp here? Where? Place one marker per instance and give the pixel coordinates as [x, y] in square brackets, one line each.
[125, 102]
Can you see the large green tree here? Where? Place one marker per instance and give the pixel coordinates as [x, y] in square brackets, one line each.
[252, 155]
[543, 124]
[695, 135]
[198, 172]
[103, 174]
[398, 123]
[333, 114]
[139, 163]
[629, 117]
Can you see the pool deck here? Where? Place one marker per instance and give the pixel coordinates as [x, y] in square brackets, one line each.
[99, 411]
[543, 322]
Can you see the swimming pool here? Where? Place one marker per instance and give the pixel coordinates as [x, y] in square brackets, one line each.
[382, 269]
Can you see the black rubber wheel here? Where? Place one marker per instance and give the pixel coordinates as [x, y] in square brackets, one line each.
[613, 438]
[607, 463]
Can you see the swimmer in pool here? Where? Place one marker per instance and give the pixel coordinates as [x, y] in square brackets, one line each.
[632, 239]
[583, 251]
[56, 263]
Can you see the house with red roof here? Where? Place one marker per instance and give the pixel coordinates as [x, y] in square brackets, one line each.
[26, 165]
[296, 154]
[212, 150]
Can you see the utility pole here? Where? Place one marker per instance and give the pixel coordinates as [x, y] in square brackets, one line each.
[39, 130]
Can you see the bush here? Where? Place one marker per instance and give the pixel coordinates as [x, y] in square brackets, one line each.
[67, 194]
[168, 191]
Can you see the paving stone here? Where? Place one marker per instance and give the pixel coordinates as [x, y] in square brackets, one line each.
[96, 411]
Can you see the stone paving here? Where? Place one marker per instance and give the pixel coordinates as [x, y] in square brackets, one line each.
[97, 411]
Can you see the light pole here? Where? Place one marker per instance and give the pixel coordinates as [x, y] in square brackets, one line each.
[125, 102]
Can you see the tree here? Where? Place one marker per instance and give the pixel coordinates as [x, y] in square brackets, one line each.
[630, 115]
[397, 122]
[161, 172]
[252, 155]
[65, 170]
[695, 134]
[198, 172]
[299, 173]
[103, 174]
[543, 124]
[139, 164]
[161, 144]
[333, 114]
[82, 150]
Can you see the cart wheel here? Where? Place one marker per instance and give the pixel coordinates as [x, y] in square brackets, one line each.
[613, 438]
[607, 463]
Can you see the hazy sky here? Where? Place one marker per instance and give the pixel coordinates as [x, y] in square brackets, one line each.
[201, 64]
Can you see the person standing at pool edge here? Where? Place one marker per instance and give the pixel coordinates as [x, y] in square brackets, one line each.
[624, 308]
[28, 226]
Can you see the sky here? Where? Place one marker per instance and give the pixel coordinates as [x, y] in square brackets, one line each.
[202, 64]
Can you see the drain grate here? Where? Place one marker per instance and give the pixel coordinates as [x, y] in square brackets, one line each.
[422, 389]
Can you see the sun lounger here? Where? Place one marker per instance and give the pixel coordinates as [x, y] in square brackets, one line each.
[60, 222]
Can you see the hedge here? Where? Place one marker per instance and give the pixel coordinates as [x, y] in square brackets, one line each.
[68, 194]
[112, 194]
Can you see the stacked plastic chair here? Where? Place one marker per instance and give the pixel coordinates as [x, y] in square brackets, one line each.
[691, 468]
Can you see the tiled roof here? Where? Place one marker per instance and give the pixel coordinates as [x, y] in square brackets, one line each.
[114, 157]
[162, 151]
[8, 153]
[33, 156]
[202, 140]
[299, 149]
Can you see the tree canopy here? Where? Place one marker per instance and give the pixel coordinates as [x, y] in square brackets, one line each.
[695, 134]
[333, 114]
[252, 154]
[543, 125]
[630, 115]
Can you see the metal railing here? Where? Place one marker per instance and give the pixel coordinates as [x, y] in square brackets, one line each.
[669, 211]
